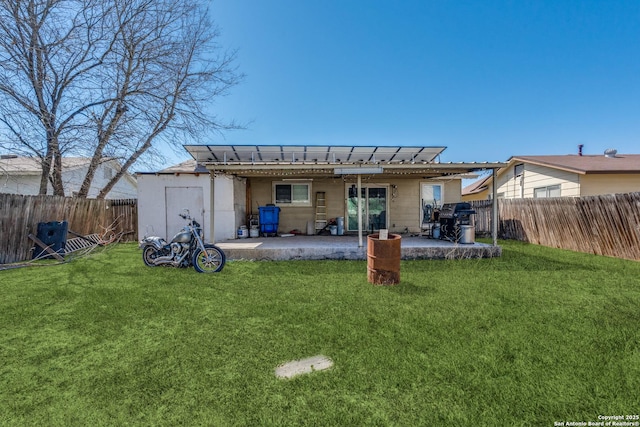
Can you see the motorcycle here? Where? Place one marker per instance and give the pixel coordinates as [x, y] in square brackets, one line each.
[187, 247]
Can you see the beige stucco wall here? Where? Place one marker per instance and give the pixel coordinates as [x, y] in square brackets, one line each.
[404, 210]
[595, 184]
[296, 217]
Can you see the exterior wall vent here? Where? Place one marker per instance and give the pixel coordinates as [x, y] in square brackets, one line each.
[610, 152]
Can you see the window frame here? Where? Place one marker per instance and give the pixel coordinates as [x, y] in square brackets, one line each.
[424, 184]
[432, 184]
[293, 203]
[547, 191]
[107, 173]
[518, 170]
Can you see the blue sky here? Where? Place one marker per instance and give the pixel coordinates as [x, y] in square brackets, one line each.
[486, 79]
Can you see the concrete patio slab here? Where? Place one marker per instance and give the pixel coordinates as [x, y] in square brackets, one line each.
[346, 248]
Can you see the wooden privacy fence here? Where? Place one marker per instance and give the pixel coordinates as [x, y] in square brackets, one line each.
[604, 225]
[20, 215]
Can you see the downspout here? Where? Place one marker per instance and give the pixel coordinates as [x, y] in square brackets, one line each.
[494, 209]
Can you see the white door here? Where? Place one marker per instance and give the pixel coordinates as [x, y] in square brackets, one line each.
[431, 198]
[181, 198]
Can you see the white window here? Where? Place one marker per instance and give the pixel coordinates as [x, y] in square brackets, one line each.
[431, 199]
[431, 194]
[292, 193]
[550, 191]
[108, 173]
[518, 170]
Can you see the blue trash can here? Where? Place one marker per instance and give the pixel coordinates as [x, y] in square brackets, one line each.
[269, 217]
[52, 234]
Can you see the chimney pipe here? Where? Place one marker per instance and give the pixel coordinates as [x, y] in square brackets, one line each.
[580, 149]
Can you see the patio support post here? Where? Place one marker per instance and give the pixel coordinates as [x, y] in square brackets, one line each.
[212, 215]
[358, 194]
[494, 208]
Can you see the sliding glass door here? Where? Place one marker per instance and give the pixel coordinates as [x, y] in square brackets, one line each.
[373, 208]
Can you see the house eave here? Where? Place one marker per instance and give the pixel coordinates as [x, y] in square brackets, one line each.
[331, 169]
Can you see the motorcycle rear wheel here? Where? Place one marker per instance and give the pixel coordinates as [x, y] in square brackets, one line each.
[148, 255]
[211, 260]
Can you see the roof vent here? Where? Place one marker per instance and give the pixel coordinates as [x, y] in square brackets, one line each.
[610, 152]
[8, 156]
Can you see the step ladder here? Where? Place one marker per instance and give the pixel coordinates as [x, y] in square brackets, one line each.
[321, 210]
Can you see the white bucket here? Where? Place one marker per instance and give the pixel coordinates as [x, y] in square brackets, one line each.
[334, 230]
[467, 234]
[243, 233]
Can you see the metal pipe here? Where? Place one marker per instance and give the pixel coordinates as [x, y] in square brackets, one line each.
[212, 215]
[494, 208]
[359, 192]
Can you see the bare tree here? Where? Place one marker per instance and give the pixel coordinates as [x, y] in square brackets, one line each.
[107, 79]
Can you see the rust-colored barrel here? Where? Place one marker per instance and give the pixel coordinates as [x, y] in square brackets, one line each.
[383, 259]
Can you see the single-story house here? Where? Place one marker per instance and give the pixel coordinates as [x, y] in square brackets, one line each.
[21, 175]
[571, 175]
[313, 184]
[477, 190]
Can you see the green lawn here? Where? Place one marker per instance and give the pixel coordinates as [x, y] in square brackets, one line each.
[535, 337]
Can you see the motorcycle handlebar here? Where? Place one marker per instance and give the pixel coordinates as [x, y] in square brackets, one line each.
[193, 221]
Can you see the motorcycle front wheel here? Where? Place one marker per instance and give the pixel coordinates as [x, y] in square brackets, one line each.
[211, 260]
[148, 255]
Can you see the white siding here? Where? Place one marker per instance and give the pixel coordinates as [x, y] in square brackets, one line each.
[125, 188]
[28, 185]
[535, 176]
[540, 176]
[509, 185]
[72, 181]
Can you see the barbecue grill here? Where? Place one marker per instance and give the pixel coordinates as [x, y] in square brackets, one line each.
[457, 222]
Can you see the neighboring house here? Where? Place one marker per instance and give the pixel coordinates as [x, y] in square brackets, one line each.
[313, 184]
[478, 190]
[21, 175]
[163, 195]
[561, 176]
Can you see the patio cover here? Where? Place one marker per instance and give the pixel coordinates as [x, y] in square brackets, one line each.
[313, 160]
[264, 160]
